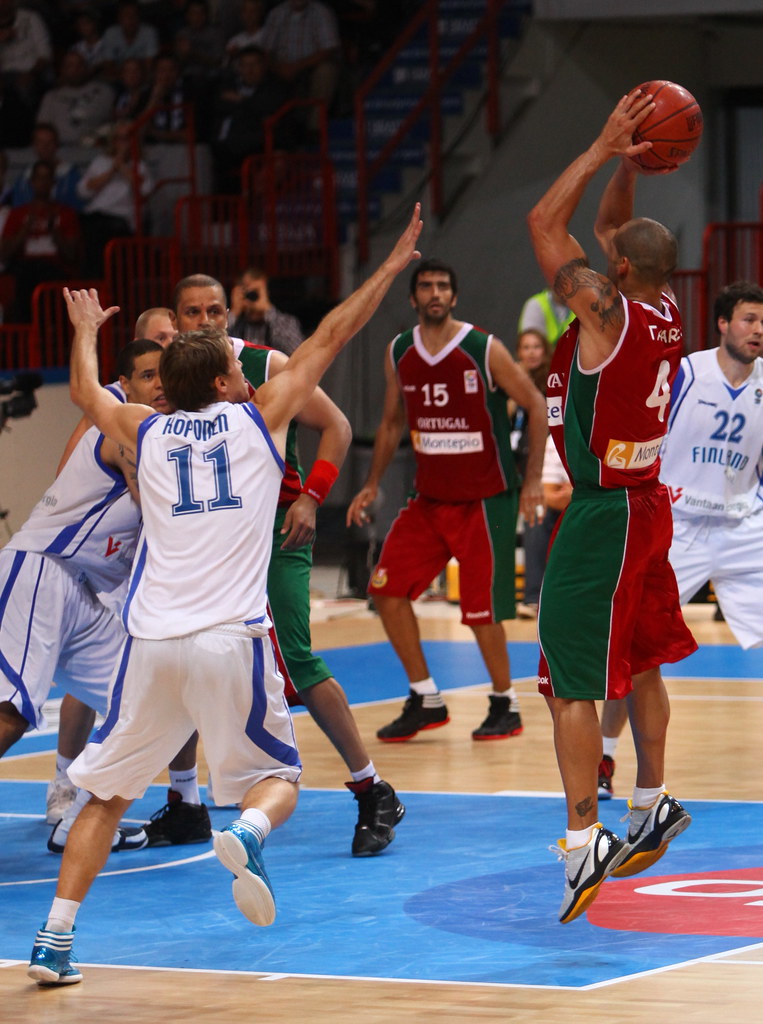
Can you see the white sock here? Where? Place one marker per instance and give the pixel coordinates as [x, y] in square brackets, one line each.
[258, 821]
[643, 798]
[62, 766]
[62, 829]
[427, 688]
[610, 745]
[369, 772]
[62, 915]
[578, 837]
[187, 784]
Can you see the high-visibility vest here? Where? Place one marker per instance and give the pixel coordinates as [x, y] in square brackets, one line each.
[555, 328]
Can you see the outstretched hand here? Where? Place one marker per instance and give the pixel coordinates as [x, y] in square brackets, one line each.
[85, 310]
[617, 134]
[405, 249]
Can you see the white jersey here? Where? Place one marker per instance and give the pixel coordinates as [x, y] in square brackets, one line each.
[209, 484]
[86, 520]
[712, 460]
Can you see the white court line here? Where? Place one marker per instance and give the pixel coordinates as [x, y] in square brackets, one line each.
[530, 794]
[714, 958]
[127, 871]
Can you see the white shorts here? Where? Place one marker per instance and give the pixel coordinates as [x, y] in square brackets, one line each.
[730, 553]
[223, 682]
[52, 627]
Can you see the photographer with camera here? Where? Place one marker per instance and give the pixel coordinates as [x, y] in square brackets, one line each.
[22, 402]
[254, 318]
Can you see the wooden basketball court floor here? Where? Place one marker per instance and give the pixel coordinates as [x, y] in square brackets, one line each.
[457, 919]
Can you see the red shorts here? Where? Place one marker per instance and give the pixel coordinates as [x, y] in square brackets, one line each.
[481, 535]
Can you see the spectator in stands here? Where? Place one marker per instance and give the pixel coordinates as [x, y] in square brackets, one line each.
[367, 29]
[90, 43]
[41, 240]
[544, 313]
[76, 105]
[199, 45]
[132, 90]
[25, 50]
[130, 37]
[45, 147]
[247, 96]
[170, 96]
[169, 17]
[253, 316]
[252, 21]
[16, 116]
[302, 41]
[110, 186]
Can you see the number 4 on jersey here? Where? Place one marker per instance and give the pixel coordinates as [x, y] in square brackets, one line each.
[659, 397]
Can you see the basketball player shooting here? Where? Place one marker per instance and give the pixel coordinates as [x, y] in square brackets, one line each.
[609, 613]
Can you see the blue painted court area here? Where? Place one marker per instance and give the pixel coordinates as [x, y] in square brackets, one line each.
[468, 892]
[375, 674]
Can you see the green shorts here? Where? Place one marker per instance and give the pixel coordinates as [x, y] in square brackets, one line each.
[289, 600]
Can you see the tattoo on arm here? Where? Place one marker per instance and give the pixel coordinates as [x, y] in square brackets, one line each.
[130, 463]
[576, 276]
[584, 807]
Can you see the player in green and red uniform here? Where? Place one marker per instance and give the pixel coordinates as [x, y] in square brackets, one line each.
[450, 383]
[609, 613]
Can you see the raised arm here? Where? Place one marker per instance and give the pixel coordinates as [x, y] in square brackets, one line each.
[330, 423]
[591, 296]
[115, 419]
[616, 206]
[282, 397]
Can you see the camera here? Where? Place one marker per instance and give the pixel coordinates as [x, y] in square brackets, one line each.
[252, 295]
[22, 402]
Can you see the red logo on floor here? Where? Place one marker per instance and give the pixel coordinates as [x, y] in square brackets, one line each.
[710, 903]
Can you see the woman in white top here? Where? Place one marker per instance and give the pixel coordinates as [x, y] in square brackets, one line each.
[110, 187]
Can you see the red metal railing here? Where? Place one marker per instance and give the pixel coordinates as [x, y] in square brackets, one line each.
[691, 296]
[140, 274]
[291, 211]
[17, 352]
[428, 105]
[212, 236]
[51, 330]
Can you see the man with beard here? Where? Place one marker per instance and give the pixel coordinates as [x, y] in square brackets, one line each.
[450, 382]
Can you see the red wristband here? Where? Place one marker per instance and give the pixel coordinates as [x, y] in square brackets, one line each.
[321, 480]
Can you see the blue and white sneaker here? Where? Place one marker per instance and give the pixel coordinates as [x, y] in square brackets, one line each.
[238, 847]
[51, 961]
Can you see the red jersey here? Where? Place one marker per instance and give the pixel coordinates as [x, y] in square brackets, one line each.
[608, 423]
[40, 244]
[457, 417]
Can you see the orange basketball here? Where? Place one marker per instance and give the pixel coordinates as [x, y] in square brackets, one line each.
[674, 128]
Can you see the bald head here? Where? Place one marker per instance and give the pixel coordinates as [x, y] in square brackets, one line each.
[155, 324]
[650, 247]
